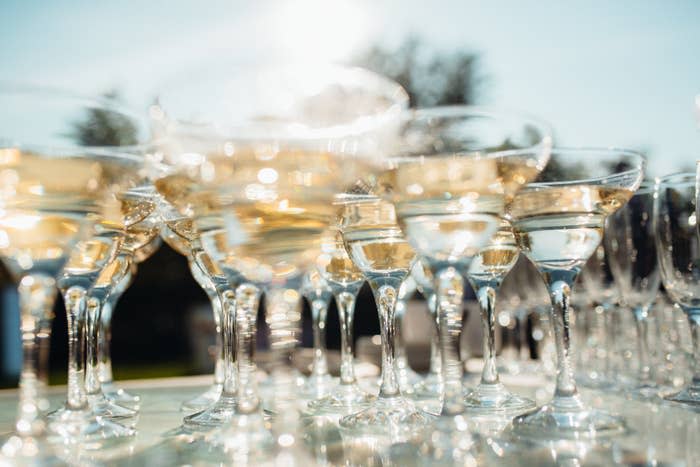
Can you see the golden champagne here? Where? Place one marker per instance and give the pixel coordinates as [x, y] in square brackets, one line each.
[449, 206]
[560, 227]
[497, 258]
[334, 264]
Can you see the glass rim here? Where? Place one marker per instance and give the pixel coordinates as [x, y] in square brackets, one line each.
[677, 178]
[592, 180]
[250, 130]
[495, 113]
[33, 89]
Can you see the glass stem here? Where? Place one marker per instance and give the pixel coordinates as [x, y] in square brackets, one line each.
[449, 288]
[346, 312]
[565, 394]
[642, 323]
[435, 357]
[37, 295]
[386, 297]
[487, 304]
[401, 360]
[694, 322]
[75, 299]
[319, 314]
[93, 385]
[228, 320]
[283, 317]
[247, 302]
[207, 284]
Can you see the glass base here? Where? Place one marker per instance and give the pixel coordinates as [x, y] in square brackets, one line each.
[204, 400]
[567, 418]
[594, 380]
[104, 408]
[344, 400]
[450, 442]
[213, 416]
[396, 418]
[28, 451]
[120, 396]
[407, 378]
[644, 392]
[429, 387]
[84, 428]
[496, 398]
[689, 396]
[317, 386]
[245, 439]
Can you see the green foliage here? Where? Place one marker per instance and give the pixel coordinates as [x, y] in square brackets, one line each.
[104, 127]
[429, 78]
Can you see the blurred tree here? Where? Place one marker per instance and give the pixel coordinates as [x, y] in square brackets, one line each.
[103, 127]
[430, 78]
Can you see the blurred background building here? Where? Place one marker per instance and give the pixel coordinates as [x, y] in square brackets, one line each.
[603, 73]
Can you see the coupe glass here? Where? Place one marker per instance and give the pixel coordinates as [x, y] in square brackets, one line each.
[345, 281]
[58, 182]
[142, 226]
[678, 248]
[216, 405]
[449, 181]
[558, 223]
[630, 244]
[319, 294]
[486, 273]
[376, 245]
[260, 152]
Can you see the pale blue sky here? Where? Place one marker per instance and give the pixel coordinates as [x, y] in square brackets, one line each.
[602, 72]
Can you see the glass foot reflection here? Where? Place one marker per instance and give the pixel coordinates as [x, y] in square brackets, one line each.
[689, 396]
[204, 400]
[103, 407]
[317, 386]
[28, 450]
[345, 399]
[245, 439]
[496, 398]
[213, 416]
[395, 418]
[83, 428]
[568, 421]
[120, 396]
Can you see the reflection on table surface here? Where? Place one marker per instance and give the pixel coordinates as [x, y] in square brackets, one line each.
[660, 434]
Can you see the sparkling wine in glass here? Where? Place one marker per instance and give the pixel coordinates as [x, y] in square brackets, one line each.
[57, 185]
[450, 179]
[486, 273]
[558, 223]
[259, 180]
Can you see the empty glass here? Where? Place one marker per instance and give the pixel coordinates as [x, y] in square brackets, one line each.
[678, 247]
[630, 245]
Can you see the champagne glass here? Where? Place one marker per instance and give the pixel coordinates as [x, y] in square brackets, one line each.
[142, 226]
[296, 136]
[486, 273]
[630, 244]
[376, 245]
[449, 181]
[678, 249]
[558, 223]
[319, 294]
[57, 184]
[345, 281]
[180, 233]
